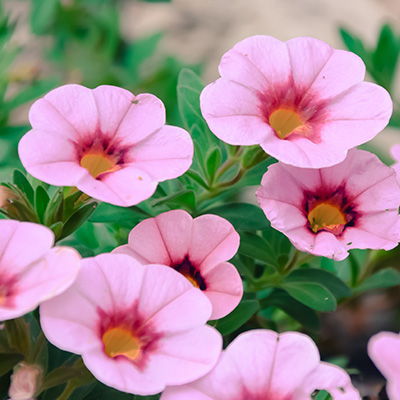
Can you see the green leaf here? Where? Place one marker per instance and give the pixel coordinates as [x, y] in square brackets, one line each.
[54, 212]
[213, 162]
[238, 317]
[311, 294]
[353, 43]
[323, 395]
[18, 335]
[384, 59]
[255, 246]
[185, 198]
[59, 376]
[387, 277]
[331, 282]
[195, 176]
[244, 216]
[43, 14]
[8, 362]
[42, 199]
[77, 219]
[123, 215]
[189, 89]
[22, 183]
[298, 311]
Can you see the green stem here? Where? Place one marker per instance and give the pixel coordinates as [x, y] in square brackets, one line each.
[67, 391]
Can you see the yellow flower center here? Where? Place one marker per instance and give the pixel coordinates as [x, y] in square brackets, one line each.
[191, 280]
[327, 217]
[285, 122]
[121, 342]
[97, 164]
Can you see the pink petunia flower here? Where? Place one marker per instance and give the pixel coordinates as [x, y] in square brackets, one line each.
[112, 145]
[328, 211]
[137, 329]
[384, 351]
[30, 270]
[304, 102]
[197, 248]
[261, 364]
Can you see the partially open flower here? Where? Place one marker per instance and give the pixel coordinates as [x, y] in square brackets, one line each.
[262, 364]
[384, 350]
[328, 211]
[112, 145]
[137, 329]
[25, 381]
[197, 248]
[304, 102]
[30, 270]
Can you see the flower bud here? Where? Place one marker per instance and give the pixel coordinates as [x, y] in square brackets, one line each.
[24, 381]
[5, 196]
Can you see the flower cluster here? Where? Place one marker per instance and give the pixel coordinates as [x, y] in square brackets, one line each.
[138, 315]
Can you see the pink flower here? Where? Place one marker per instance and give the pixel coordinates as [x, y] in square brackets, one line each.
[30, 270]
[110, 144]
[328, 211]
[262, 364]
[25, 382]
[304, 102]
[137, 329]
[384, 351]
[197, 248]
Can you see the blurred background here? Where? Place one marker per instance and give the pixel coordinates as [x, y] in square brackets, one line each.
[142, 46]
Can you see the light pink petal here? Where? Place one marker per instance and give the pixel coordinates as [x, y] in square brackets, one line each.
[166, 154]
[374, 231]
[176, 230]
[126, 249]
[270, 55]
[77, 105]
[145, 116]
[224, 289]
[183, 393]
[357, 115]
[125, 187]
[147, 241]
[236, 66]
[186, 311]
[162, 285]
[300, 353]
[187, 356]
[112, 104]
[327, 245]
[22, 243]
[302, 152]
[42, 280]
[51, 158]
[327, 72]
[332, 379]
[121, 374]
[384, 350]
[232, 113]
[207, 250]
[44, 117]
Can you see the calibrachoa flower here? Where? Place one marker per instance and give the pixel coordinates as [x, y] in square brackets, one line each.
[112, 145]
[197, 248]
[328, 211]
[304, 102]
[262, 364]
[137, 329]
[30, 270]
[384, 350]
